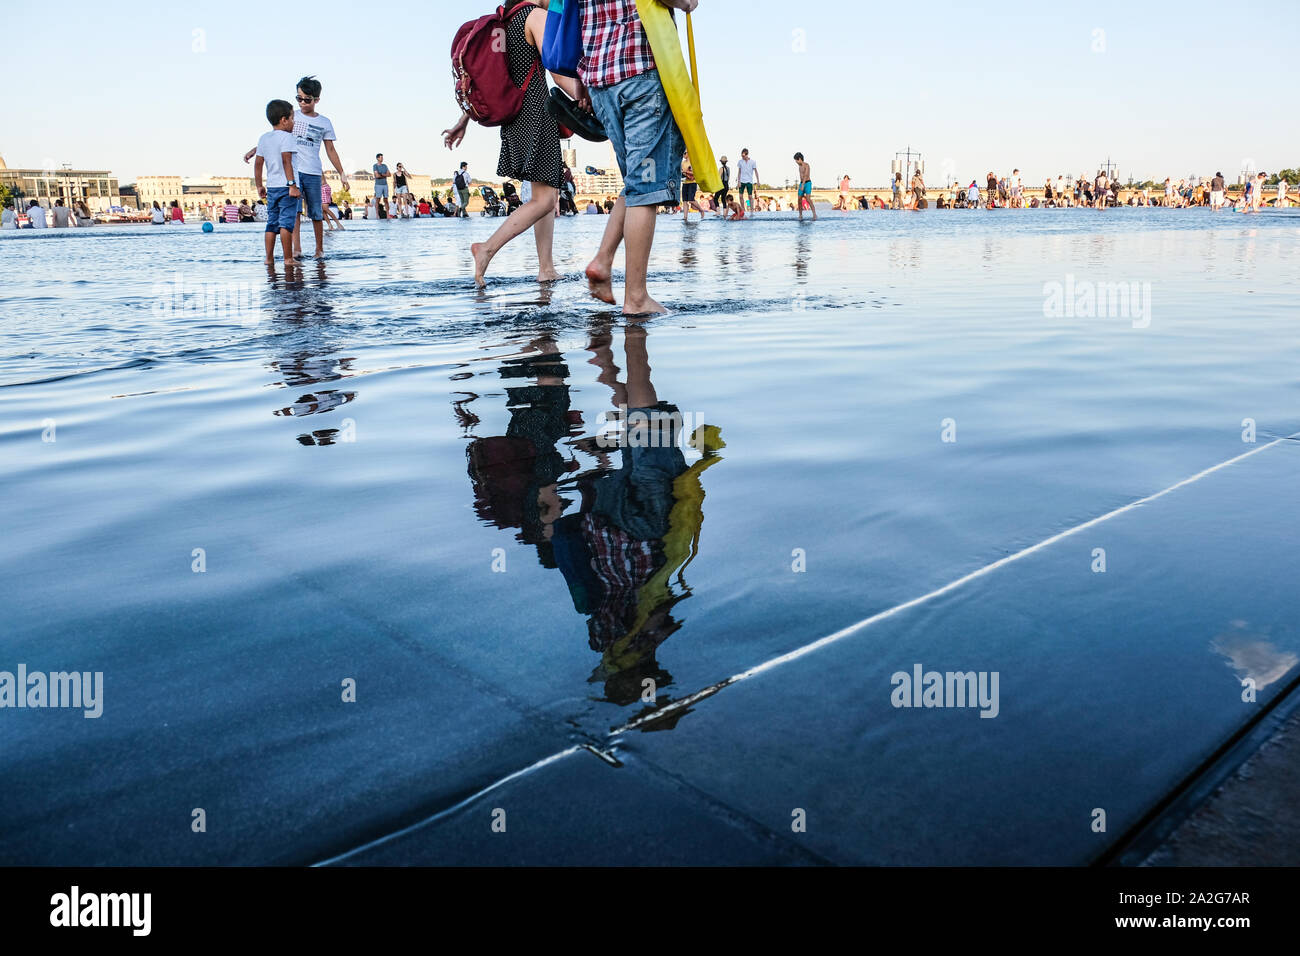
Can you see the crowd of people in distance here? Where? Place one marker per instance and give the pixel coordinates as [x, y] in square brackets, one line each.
[61, 216]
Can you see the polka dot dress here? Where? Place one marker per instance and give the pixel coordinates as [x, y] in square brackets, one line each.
[530, 143]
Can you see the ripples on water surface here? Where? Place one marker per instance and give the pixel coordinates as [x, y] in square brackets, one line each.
[356, 450]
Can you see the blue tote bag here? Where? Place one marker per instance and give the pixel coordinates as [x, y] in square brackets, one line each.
[562, 42]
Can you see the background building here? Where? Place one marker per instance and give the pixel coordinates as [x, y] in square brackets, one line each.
[160, 189]
[96, 187]
[237, 188]
[604, 180]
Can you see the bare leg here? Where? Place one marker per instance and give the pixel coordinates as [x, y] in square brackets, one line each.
[602, 356]
[543, 236]
[286, 243]
[639, 232]
[601, 269]
[640, 391]
[270, 247]
[318, 227]
[541, 205]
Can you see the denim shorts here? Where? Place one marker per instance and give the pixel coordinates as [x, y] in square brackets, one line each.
[309, 186]
[381, 188]
[645, 137]
[281, 209]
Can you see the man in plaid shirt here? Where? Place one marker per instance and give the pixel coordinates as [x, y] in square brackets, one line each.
[619, 77]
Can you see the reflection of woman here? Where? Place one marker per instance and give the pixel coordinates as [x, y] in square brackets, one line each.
[515, 474]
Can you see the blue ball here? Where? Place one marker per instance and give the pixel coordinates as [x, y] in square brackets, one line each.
[207, 227]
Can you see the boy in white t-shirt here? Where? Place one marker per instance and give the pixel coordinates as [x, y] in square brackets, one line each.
[311, 130]
[276, 152]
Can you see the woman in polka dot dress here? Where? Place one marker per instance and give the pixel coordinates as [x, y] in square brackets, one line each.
[530, 147]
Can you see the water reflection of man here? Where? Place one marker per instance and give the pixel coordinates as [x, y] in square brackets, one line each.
[633, 528]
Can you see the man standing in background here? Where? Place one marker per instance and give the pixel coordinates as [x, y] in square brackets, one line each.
[461, 180]
[380, 169]
[747, 177]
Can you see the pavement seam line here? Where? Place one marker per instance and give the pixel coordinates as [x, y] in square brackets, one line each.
[987, 569]
[446, 811]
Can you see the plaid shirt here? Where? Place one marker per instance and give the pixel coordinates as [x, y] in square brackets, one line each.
[614, 43]
[623, 564]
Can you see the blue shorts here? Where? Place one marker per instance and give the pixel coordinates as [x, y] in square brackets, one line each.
[645, 137]
[381, 188]
[309, 186]
[281, 209]
[805, 188]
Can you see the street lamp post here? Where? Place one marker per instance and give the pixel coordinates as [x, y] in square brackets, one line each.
[905, 164]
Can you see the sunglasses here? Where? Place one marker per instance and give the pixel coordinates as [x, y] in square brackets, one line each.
[305, 99]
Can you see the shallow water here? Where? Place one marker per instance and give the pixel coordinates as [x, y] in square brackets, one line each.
[394, 478]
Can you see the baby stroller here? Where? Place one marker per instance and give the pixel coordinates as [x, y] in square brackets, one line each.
[567, 206]
[492, 205]
[511, 195]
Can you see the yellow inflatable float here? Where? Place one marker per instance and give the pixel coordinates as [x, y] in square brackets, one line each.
[682, 88]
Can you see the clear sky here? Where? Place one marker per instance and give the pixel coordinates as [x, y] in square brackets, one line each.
[1168, 88]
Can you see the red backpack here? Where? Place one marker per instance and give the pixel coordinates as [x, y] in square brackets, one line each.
[479, 63]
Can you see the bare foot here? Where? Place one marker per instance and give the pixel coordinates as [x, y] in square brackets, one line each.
[481, 259]
[599, 280]
[642, 306]
[269, 260]
[547, 275]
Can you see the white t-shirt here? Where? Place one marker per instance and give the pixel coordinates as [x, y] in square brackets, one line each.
[310, 132]
[8, 219]
[1281, 188]
[745, 170]
[62, 216]
[37, 216]
[158, 215]
[269, 147]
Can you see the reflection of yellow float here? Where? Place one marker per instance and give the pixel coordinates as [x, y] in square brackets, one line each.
[682, 88]
[680, 544]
